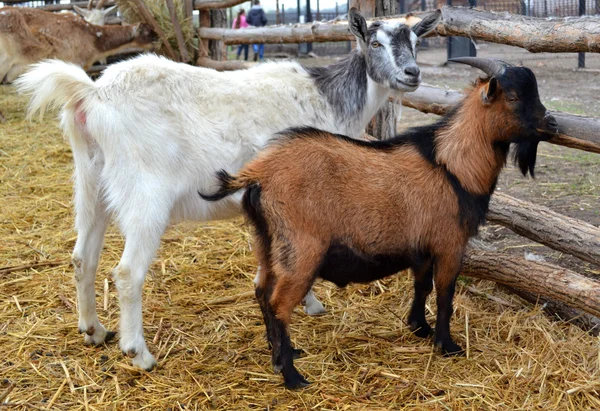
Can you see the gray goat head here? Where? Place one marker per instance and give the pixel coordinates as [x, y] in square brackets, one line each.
[390, 49]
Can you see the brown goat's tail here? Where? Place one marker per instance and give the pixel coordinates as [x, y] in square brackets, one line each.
[229, 185]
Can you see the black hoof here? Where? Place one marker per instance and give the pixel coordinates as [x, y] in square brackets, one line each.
[297, 353]
[450, 349]
[295, 381]
[110, 335]
[421, 330]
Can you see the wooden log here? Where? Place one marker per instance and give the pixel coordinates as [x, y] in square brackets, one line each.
[534, 34]
[297, 33]
[204, 20]
[223, 65]
[59, 7]
[574, 131]
[185, 57]
[149, 19]
[547, 227]
[547, 280]
[216, 4]
[555, 35]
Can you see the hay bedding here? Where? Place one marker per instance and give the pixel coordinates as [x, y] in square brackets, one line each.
[213, 355]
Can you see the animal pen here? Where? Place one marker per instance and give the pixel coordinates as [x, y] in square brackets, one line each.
[200, 314]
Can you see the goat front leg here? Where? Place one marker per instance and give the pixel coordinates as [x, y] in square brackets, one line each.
[90, 238]
[446, 272]
[312, 305]
[142, 239]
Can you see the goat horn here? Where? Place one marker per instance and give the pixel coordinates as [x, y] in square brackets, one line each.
[491, 67]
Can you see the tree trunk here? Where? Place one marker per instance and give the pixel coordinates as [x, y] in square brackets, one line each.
[543, 225]
[216, 4]
[578, 132]
[218, 50]
[547, 280]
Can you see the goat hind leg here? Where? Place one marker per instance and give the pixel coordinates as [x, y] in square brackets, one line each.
[423, 285]
[142, 239]
[312, 305]
[90, 238]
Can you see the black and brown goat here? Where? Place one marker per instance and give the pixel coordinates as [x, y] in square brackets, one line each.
[324, 205]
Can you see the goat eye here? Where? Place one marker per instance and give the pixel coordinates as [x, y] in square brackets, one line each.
[512, 99]
[375, 44]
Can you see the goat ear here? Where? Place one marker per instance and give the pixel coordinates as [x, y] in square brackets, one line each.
[357, 25]
[490, 92]
[428, 24]
[109, 10]
[80, 11]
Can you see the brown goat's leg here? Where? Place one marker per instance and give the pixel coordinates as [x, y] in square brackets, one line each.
[423, 285]
[446, 272]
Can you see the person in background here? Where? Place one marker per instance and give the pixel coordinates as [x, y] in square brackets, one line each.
[256, 17]
[240, 23]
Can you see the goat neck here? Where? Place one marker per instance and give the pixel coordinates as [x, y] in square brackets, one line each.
[473, 144]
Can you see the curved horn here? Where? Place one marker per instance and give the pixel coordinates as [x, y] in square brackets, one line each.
[491, 67]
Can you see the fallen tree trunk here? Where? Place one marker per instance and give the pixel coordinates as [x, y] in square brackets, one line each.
[555, 35]
[547, 227]
[574, 131]
[544, 279]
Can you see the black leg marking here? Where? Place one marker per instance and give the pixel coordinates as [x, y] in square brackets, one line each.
[443, 340]
[423, 285]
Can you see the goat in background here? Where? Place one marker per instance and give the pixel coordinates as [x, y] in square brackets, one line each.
[29, 35]
[150, 133]
[325, 205]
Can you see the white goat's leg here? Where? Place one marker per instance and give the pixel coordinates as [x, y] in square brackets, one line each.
[91, 227]
[142, 239]
[312, 305]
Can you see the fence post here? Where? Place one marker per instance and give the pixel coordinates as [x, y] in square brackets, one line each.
[581, 56]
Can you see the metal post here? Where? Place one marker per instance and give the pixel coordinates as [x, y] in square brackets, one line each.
[318, 11]
[308, 20]
[402, 6]
[283, 14]
[581, 56]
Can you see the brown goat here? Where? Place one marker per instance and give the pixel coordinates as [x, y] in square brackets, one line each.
[29, 35]
[324, 205]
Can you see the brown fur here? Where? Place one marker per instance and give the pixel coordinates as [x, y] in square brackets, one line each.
[313, 194]
[29, 35]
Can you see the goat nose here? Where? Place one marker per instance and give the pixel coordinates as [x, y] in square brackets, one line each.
[412, 71]
[550, 120]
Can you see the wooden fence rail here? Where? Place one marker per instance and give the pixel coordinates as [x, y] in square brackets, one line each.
[574, 131]
[534, 34]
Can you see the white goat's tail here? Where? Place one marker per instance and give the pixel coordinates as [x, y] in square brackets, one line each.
[52, 84]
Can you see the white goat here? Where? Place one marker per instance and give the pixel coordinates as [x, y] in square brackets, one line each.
[150, 133]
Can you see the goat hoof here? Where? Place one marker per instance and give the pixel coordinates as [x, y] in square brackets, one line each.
[295, 381]
[297, 353]
[93, 335]
[131, 353]
[144, 360]
[421, 330]
[450, 349]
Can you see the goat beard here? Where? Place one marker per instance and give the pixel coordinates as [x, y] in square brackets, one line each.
[524, 156]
